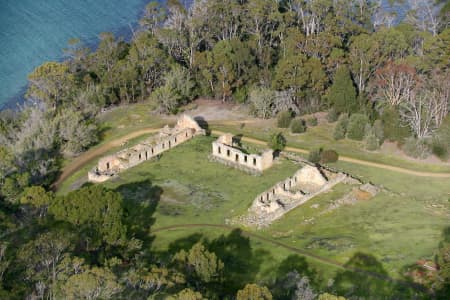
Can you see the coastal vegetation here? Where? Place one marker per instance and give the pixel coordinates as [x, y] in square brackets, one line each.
[377, 82]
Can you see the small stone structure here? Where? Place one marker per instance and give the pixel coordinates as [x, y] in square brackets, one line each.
[224, 150]
[109, 166]
[306, 183]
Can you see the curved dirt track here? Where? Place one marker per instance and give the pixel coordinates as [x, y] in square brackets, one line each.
[293, 249]
[351, 160]
[89, 155]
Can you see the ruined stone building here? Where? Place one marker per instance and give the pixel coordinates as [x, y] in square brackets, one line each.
[226, 151]
[108, 166]
[306, 183]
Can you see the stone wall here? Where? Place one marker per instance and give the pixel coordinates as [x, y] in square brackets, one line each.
[108, 166]
[224, 151]
[288, 194]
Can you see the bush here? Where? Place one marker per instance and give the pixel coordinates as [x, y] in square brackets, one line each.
[277, 142]
[312, 121]
[241, 95]
[356, 126]
[379, 131]
[329, 156]
[416, 148]
[341, 127]
[392, 126]
[440, 149]
[332, 116]
[371, 141]
[314, 156]
[284, 118]
[298, 126]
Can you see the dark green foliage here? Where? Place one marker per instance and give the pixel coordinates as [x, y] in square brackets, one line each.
[241, 95]
[392, 126]
[312, 121]
[416, 148]
[284, 118]
[341, 127]
[332, 116]
[93, 209]
[440, 149]
[314, 156]
[356, 126]
[298, 125]
[342, 94]
[328, 156]
[277, 142]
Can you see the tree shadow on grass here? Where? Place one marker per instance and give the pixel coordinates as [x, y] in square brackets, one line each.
[242, 263]
[367, 278]
[140, 202]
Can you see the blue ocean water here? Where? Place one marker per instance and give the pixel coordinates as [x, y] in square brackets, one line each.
[35, 31]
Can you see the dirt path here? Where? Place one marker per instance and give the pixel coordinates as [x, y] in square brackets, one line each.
[293, 249]
[351, 160]
[86, 157]
[89, 155]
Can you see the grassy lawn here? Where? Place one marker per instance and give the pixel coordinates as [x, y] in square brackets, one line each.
[322, 136]
[400, 225]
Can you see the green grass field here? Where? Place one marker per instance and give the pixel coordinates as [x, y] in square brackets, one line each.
[401, 225]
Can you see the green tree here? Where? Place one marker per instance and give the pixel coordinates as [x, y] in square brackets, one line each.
[37, 197]
[342, 94]
[200, 263]
[95, 210]
[51, 83]
[254, 292]
[356, 126]
[277, 142]
[341, 127]
[94, 283]
[186, 294]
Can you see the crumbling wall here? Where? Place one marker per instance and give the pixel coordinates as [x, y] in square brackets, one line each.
[108, 166]
[288, 194]
[224, 151]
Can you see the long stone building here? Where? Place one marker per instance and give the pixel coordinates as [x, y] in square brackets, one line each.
[224, 150]
[109, 166]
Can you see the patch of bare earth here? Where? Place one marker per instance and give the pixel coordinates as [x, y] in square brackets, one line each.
[392, 148]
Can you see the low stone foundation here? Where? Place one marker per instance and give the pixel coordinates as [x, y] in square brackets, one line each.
[109, 166]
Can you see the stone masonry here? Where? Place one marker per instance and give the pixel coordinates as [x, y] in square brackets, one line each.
[224, 150]
[306, 183]
[109, 166]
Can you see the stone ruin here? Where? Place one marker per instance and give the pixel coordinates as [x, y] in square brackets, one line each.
[109, 166]
[225, 150]
[308, 182]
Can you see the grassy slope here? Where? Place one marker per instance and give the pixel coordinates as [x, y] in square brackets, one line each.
[397, 227]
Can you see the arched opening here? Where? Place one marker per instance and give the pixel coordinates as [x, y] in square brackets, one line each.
[140, 156]
[107, 166]
[146, 155]
[245, 158]
[236, 158]
[228, 152]
[220, 150]
[254, 161]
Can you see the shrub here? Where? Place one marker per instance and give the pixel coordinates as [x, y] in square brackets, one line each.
[440, 149]
[332, 116]
[312, 121]
[379, 131]
[284, 118]
[371, 141]
[277, 142]
[416, 148]
[341, 127]
[314, 156]
[329, 156]
[241, 95]
[298, 126]
[392, 126]
[356, 126]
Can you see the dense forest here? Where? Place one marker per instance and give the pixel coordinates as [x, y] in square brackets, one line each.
[378, 79]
